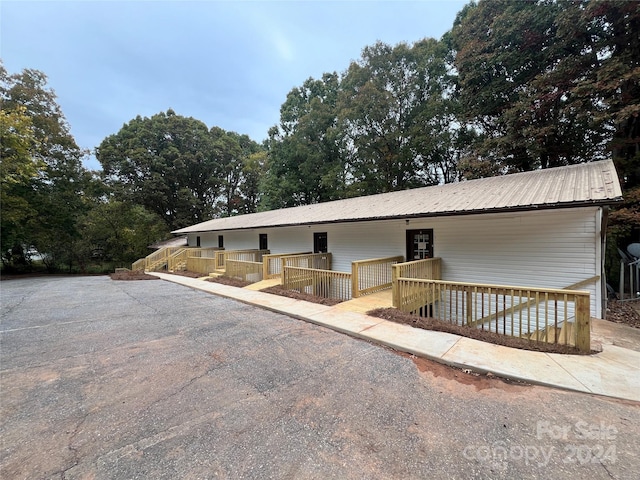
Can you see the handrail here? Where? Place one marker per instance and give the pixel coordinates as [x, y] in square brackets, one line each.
[176, 258]
[427, 268]
[538, 314]
[254, 255]
[322, 283]
[204, 265]
[138, 265]
[321, 261]
[272, 263]
[372, 275]
[245, 270]
[208, 252]
[159, 257]
[430, 268]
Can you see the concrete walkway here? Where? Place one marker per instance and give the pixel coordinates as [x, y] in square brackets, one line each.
[614, 372]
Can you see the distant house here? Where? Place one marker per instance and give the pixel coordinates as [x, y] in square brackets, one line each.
[544, 228]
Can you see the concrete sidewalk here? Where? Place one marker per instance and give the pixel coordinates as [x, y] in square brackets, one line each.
[615, 372]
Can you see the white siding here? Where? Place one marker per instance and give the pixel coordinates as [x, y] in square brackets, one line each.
[549, 248]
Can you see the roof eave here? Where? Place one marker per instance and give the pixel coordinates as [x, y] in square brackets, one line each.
[507, 209]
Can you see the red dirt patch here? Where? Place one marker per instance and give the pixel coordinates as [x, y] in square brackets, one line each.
[277, 290]
[397, 316]
[466, 377]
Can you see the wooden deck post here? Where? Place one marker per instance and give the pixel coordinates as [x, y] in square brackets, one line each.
[355, 291]
[583, 323]
[395, 302]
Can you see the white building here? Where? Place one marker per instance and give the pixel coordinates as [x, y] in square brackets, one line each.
[544, 228]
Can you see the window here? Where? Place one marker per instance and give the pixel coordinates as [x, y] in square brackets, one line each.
[198, 241]
[220, 241]
[320, 242]
[419, 244]
[263, 241]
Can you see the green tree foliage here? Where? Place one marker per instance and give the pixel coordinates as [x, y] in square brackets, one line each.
[549, 82]
[253, 172]
[306, 158]
[175, 167]
[18, 171]
[43, 179]
[511, 86]
[118, 233]
[233, 152]
[389, 122]
[397, 111]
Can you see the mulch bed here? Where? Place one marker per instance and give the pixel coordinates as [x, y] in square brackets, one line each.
[232, 282]
[276, 290]
[624, 312]
[132, 275]
[395, 315]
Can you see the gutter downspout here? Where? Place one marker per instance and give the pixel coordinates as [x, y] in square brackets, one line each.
[603, 242]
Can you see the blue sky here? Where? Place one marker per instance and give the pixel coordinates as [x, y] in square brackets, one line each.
[227, 63]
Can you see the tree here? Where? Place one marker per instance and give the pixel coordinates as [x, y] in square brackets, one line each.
[233, 151]
[253, 170]
[175, 167]
[541, 79]
[306, 159]
[44, 168]
[165, 163]
[118, 233]
[399, 115]
[18, 170]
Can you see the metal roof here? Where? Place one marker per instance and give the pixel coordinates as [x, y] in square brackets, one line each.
[594, 183]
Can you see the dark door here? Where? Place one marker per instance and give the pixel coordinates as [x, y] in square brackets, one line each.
[198, 241]
[263, 241]
[320, 242]
[419, 244]
[220, 241]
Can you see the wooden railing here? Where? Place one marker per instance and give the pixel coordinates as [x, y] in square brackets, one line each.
[537, 314]
[159, 259]
[244, 255]
[428, 268]
[320, 261]
[322, 283]
[138, 265]
[178, 260]
[244, 270]
[208, 252]
[272, 263]
[373, 275]
[204, 265]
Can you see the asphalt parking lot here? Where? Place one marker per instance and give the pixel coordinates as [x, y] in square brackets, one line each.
[149, 379]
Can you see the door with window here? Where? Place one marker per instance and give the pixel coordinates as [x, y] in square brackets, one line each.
[419, 244]
[320, 242]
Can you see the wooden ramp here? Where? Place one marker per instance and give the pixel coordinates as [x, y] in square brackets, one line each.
[367, 302]
[271, 282]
